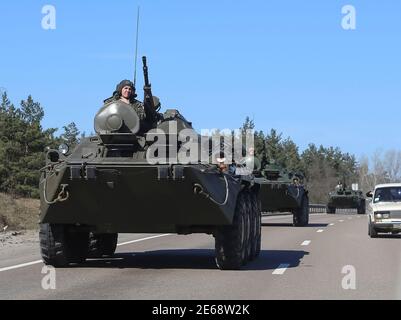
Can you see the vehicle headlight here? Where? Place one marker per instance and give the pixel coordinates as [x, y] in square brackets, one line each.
[382, 214]
[63, 148]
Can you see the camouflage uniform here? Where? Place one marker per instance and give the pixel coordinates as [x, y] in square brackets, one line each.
[139, 109]
[135, 104]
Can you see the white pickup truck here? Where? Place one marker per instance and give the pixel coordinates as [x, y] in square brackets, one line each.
[385, 209]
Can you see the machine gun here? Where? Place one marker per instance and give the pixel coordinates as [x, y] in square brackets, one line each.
[151, 103]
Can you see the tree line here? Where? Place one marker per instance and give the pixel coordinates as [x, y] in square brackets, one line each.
[23, 141]
[322, 167]
[22, 144]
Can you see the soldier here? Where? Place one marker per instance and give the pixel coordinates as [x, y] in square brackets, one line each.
[339, 186]
[125, 92]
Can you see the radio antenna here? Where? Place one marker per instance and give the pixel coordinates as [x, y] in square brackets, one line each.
[136, 45]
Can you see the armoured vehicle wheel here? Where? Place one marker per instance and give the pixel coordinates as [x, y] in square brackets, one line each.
[362, 208]
[331, 210]
[249, 231]
[101, 245]
[257, 226]
[231, 240]
[59, 246]
[371, 230]
[301, 214]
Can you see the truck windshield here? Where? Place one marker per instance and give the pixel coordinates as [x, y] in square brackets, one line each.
[389, 194]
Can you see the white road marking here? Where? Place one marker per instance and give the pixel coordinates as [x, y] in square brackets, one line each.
[281, 268]
[320, 230]
[341, 220]
[349, 218]
[139, 240]
[21, 265]
[40, 261]
[306, 243]
[331, 224]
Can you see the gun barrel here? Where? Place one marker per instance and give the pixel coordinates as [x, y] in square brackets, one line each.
[145, 72]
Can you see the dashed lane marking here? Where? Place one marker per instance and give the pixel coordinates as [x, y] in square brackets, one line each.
[320, 231]
[341, 220]
[281, 269]
[331, 224]
[306, 243]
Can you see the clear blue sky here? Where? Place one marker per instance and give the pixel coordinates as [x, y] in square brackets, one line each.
[289, 65]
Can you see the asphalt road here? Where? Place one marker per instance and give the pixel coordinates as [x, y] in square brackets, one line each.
[295, 263]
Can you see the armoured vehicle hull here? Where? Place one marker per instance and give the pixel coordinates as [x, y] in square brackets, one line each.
[280, 197]
[112, 200]
[110, 184]
[346, 199]
[86, 202]
[279, 193]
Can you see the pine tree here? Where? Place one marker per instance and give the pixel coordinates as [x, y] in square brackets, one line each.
[71, 135]
[22, 146]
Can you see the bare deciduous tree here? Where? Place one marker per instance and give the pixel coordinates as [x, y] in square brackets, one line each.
[381, 168]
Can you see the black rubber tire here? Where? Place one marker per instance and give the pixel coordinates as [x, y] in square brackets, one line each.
[230, 241]
[249, 221]
[331, 210]
[371, 230]
[102, 244]
[59, 246]
[362, 208]
[256, 234]
[53, 245]
[301, 214]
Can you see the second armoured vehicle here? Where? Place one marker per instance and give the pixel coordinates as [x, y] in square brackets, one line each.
[345, 198]
[107, 185]
[282, 191]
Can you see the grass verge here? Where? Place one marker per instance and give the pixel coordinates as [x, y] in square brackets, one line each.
[18, 214]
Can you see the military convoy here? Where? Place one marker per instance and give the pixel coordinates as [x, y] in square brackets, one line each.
[346, 198]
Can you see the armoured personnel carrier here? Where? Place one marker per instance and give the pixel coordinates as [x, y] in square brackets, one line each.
[345, 198]
[282, 191]
[107, 185]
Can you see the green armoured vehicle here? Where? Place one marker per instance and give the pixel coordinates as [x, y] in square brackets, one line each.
[345, 198]
[107, 185]
[282, 191]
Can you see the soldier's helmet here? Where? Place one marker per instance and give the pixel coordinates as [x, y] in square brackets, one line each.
[121, 85]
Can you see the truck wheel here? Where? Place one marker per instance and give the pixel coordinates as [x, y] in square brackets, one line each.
[231, 240]
[257, 227]
[362, 208]
[371, 230]
[331, 210]
[301, 214]
[59, 246]
[102, 244]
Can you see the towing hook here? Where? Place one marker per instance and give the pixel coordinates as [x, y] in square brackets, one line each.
[198, 189]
